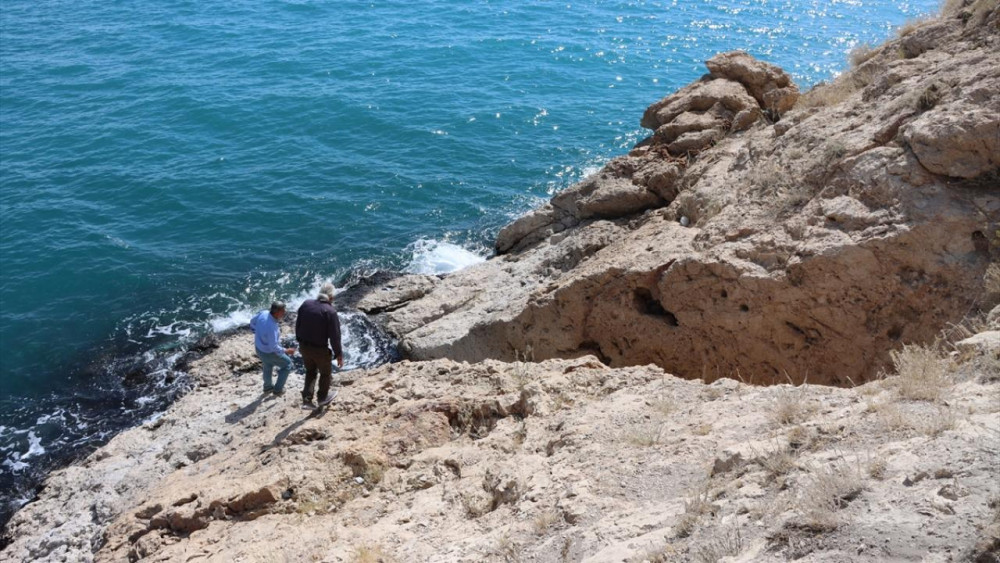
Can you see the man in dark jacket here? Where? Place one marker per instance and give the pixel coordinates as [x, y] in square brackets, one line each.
[316, 325]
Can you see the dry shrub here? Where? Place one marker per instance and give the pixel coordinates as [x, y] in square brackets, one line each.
[789, 407]
[910, 26]
[877, 468]
[507, 549]
[724, 543]
[937, 422]
[646, 436]
[923, 373]
[694, 509]
[826, 94]
[829, 490]
[930, 421]
[544, 520]
[861, 54]
[777, 463]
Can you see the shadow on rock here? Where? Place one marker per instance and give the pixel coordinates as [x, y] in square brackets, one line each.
[245, 411]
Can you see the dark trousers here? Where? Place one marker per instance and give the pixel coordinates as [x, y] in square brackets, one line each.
[316, 359]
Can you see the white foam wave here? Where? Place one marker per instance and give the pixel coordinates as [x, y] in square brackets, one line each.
[438, 257]
[242, 315]
[34, 446]
[236, 318]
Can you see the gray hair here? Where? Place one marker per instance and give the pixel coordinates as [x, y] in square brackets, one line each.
[277, 306]
[326, 292]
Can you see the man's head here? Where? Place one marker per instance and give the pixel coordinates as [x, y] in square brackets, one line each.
[326, 293]
[278, 309]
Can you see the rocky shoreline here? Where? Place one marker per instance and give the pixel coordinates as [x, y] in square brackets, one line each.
[636, 375]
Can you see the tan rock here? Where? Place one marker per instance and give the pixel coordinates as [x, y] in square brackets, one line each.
[699, 97]
[961, 140]
[661, 178]
[396, 293]
[605, 196]
[630, 473]
[694, 141]
[771, 86]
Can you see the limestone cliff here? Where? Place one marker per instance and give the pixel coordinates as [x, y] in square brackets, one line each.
[756, 231]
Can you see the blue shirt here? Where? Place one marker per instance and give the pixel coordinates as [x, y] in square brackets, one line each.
[266, 333]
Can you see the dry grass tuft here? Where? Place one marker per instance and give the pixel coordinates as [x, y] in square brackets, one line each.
[777, 463]
[661, 554]
[923, 373]
[544, 520]
[911, 26]
[726, 543]
[877, 468]
[694, 509]
[663, 406]
[646, 436]
[789, 407]
[371, 554]
[702, 430]
[829, 490]
[826, 94]
[861, 54]
[507, 549]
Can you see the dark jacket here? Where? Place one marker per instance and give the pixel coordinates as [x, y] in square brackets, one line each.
[316, 324]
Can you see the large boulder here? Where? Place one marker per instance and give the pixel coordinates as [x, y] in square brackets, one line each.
[771, 86]
[605, 196]
[725, 97]
[961, 140]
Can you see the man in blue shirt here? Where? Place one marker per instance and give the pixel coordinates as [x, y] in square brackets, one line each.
[267, 340]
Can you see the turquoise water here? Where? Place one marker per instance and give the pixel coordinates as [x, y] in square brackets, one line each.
[169, 166]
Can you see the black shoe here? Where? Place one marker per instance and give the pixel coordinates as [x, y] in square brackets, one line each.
[308, 405]
[329, 398]
[279, 393]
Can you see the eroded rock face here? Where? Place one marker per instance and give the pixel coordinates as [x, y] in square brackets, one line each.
[961, 140]
[724, 244]
[563, 459]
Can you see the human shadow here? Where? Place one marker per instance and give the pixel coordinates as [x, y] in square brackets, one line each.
[246, 410]
[280, 437]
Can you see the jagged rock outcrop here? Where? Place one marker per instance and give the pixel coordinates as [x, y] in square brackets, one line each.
[732, 98]
[727, 242]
